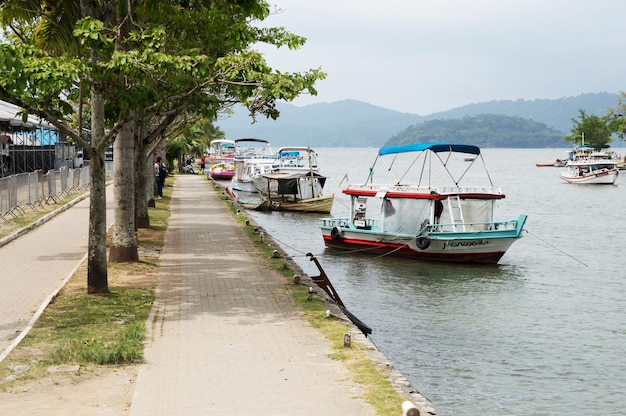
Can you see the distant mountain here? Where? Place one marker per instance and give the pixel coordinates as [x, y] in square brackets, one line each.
[351, 123]
[556, 114]
[347, 123]
[486, 130]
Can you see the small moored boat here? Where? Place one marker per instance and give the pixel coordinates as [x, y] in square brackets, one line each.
[412, 217]
[220, 163]
[591, 171]
[253, 158]
[589, 165]
[302, 192]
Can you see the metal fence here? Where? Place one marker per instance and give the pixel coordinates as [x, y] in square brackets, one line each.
[22, 192]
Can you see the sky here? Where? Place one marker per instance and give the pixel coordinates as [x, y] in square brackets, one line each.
[426, 56]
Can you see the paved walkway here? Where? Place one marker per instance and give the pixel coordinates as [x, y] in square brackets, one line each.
[35, 266]
[225, 339]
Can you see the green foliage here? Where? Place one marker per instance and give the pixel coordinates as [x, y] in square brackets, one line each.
[177, 58]
[617, 117]
[174, 150]
[198, 135]
[591, 130]
[487, 130]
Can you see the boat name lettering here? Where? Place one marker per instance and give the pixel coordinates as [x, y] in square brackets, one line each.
[465, 243]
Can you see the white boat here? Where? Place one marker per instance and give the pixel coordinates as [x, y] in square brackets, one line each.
[591, 170]
[409, 216]
[296, 160]
[221, 159]
[253, 158]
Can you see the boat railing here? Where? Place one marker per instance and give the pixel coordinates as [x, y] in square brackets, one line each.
[364, 224]
[470, 190]
[428, 189]
[470, 226]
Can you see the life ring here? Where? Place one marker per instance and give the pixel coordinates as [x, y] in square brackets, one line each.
[422, 242]
[336, 233]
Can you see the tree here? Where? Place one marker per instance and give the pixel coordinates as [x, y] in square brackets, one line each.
[591, 130]
[617, 117]
[202, 64]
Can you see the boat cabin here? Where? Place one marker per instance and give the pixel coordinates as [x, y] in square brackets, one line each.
[413, 211]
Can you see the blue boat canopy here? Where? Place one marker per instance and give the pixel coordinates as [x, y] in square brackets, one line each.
[433, 147]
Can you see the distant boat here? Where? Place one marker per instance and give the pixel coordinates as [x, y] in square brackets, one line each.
[288, 160]
[587, 165]
[557, 163]
[253, 158]
[408, 216]
[221, 163]
[591, 171]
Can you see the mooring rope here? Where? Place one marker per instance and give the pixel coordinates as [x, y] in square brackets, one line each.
[556, 248]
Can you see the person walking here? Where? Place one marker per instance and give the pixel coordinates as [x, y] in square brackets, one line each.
[161, 172]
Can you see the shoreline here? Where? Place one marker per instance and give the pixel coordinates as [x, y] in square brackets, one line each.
[398, 381]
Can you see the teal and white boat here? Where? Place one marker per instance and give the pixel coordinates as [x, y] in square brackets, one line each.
[408, 215]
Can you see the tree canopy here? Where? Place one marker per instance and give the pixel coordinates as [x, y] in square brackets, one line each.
[591, 130]
[138, 64]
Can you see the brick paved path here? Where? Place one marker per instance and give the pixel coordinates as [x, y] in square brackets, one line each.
[225, 339]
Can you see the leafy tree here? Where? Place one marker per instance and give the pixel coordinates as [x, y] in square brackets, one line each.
[137, 76]
[591, 130]
[617, 117]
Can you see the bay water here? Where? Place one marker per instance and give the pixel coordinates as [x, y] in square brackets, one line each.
[543, 332]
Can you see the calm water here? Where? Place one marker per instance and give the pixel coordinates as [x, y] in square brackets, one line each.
[541, 333]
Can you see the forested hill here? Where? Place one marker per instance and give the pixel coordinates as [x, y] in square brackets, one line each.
[486, 130]
[554, 113]
[351, 123]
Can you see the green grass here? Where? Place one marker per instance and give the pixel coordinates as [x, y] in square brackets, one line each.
[103, 329]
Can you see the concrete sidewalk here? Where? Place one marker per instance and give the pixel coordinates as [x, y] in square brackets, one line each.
[35, 266]
[224, 337]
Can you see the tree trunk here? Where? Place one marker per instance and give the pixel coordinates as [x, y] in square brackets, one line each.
[124, 238]
[144, 179]
[97, 277]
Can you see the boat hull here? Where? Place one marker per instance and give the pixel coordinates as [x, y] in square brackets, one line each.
[222, 175]
[462, 247]
[607, 177]
[244, 186]
[222, 171]
[322, 204]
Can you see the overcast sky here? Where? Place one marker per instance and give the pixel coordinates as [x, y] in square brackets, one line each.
[424, 56]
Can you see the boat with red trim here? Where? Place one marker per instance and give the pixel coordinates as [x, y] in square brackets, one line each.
[409, 216]
[587, 165]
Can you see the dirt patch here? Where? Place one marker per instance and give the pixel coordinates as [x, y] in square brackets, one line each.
[104, 391]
